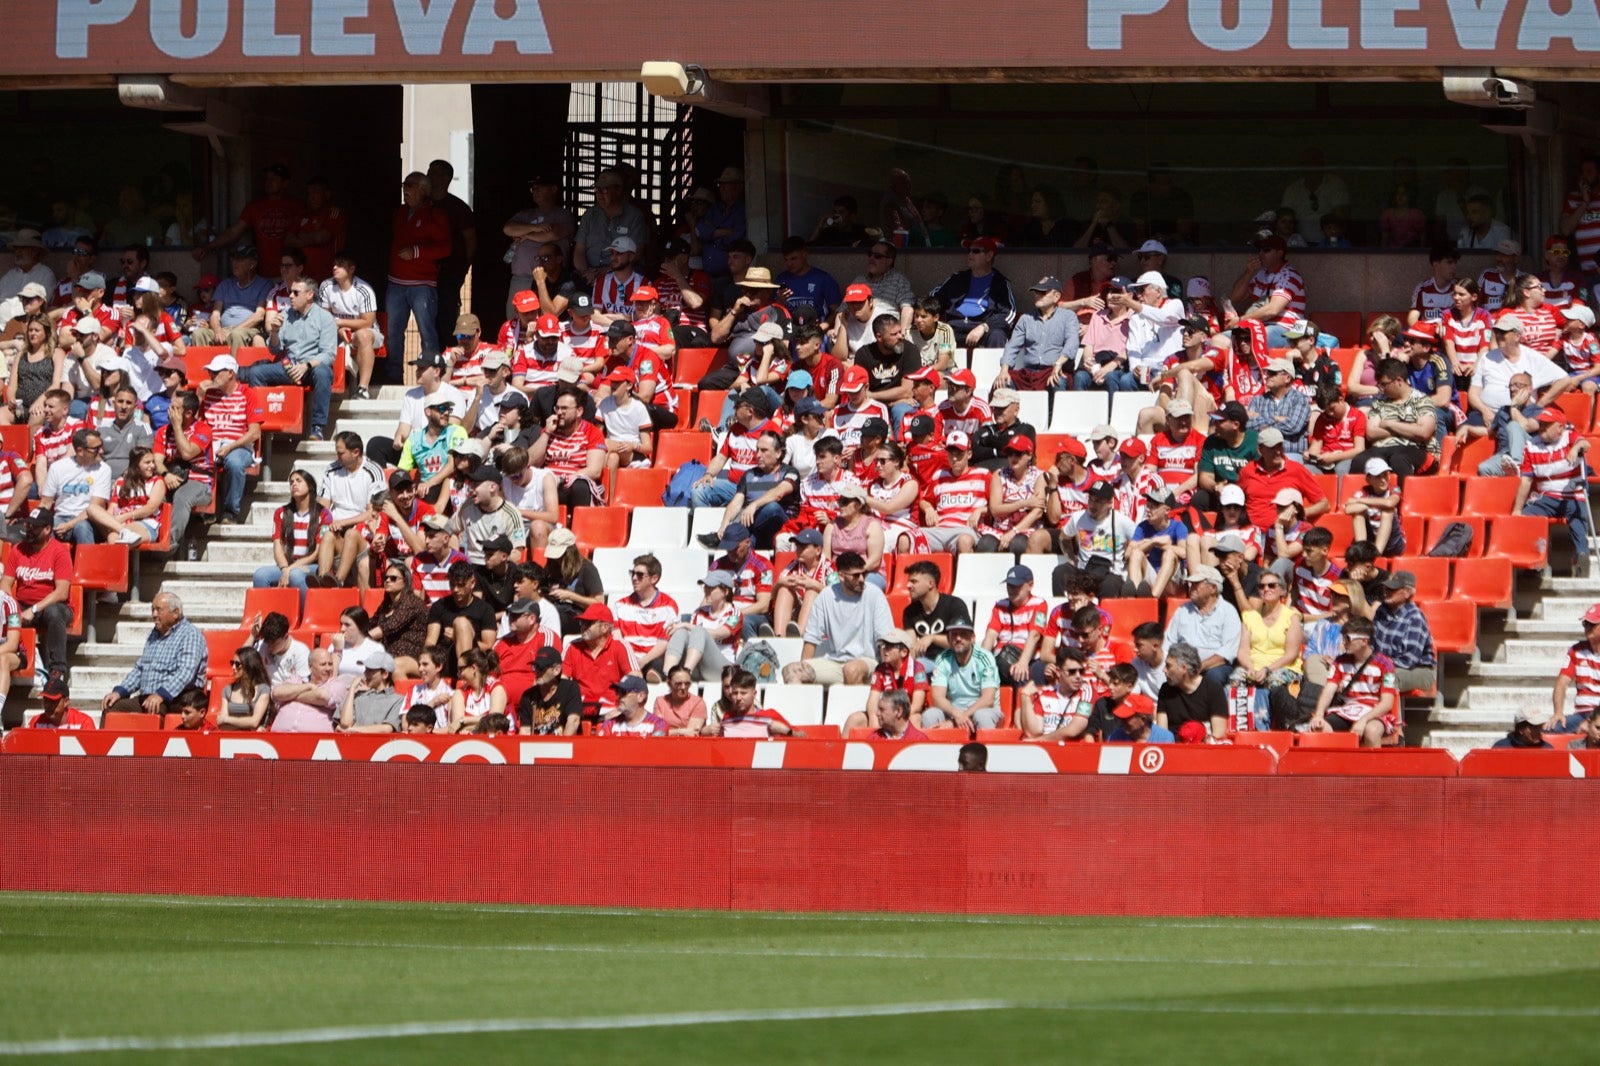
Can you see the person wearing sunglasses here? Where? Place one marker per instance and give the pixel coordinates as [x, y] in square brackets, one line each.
[1059, 711]
[248, 695]
[77, 487]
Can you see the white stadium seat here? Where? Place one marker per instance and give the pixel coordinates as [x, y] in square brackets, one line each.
[658, 527]
[985, 365]
[800, 705]
[1034, 408]
[981, 575]
[1125, 408]
[1077, 412]
[845, 700]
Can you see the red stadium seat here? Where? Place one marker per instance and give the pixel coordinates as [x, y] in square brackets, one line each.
[943, 560]
[1046, 445]
[220, 646]
[1522, 540]
[1345, 358]
[1466, 460]
[1454, 625]
[1342, 528]
[265, 601]
[279, 408]
[1431, 496]
[195, 358]
[17, 438]
[1329, 484]
[323, 607]
[1326, 740]
[1346, 325]
[1489, 497]
[1578, 406]
[1433, 575]
[676, 448]
[641, 486]
[130, 721]
[372, 600]
[101, 566]
[1487, 582]
[693, 364]
[600, 527]
[1436, 527]
[1130, 613]
[708, 405]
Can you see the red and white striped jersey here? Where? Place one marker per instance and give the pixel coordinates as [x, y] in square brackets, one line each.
[639, 626]
[613, 295]
[432, 576]
[511, 332]
[1432, 302]
[1559, 294]
[1471, 338]
[1129, 495]
[1011, 490]
[300, 531]
[1176, 460]
[1313, 592]
[1492, 286]
[536, 370]
[755, 725]
[1541, 329]
[1583, 669]
[752, 579]
[727, 615]
[466, 368]
[847, 421]
[54, 443]
[588, 345]
[1074, 498]
[166, 332]
[568, 453]
[1580, 355]
[819, 573]
[1586, 238]
[976, 415]
[819, 498]
[909, 677]
[877, 490]
[11, 465]
[1013, 625]
[925, 460]
[1553, 473]
[1289, 283]
[739, 448]
[1055, 708]
[671, 295]
[1363, 686]
[229, 415]
[957, 499]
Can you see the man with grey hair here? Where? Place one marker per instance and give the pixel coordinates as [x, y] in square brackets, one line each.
[894, 717]
[1191, 696]
[1207, 625]
[172, 662]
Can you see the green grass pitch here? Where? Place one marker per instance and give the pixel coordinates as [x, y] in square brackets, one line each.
[147, 980]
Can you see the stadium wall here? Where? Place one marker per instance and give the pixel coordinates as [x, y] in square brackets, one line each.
[1394, 847]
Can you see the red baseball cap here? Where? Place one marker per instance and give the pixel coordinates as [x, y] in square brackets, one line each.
[926, 373]
[1132, 704]
[988, 244]
[1423, 330]
[965, 378]
[596, 612]
[1551, 416]
[526, 301]
[857, 294]
[1073, 446]
[645, 293]
[1592, 615]
[1192, 733]
[1019, 444]
[548, 326]
[623, 373]
[853, 380]
[1133, 448]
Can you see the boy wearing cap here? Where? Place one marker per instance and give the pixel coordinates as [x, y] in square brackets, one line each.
[1043, 345]
[1370, 707]
[963, 410]
[1580, 351]
[1152, 553]
[925, 382]
[1554, 483]
[898, 671]
[1016, 626]
[1375, 510]
[57, 714]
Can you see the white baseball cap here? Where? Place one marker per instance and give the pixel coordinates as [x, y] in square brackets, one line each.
[1578, 313]
[224, 361]
[1197, 287]
[1231, 494]
[1152, 247]
[1150, 277]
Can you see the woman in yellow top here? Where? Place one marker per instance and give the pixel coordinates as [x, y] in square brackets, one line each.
[1270, 639]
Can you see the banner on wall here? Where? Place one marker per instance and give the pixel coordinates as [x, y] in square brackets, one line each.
[389, 40]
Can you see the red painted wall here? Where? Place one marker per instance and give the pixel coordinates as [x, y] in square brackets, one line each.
[1443, 847]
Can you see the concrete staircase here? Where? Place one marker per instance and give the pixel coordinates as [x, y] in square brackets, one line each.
[213, 588]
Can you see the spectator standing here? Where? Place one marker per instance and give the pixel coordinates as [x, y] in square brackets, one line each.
[463, 243]
[723, 223]
[269, 218]
[613, 216]
[1580, 213]
[420, 239]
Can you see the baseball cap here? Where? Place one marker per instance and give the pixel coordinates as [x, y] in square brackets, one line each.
[147, 284]
[853, 491]
[957, 438]
[857, 294]
[808, 536]
[596, 612]
[1019, 445]
[1534, 716]
[495, 359]
[1192, 732]
[1205, 573]
[1400, 579]
[1180, 409]
[87, 325]
[1102, 488]
[965, 378]
[798, 379]
[1049, 283]
[768, 331]
[277, 170]
[853, 380]
[438, 523]
[1339, 588]
[513, 398]
[1003, 398]
[644, 294]
[674, 246]
[1287, 496]
[33, 291]
[1161, 496]
[960, 621]
[221, 362]
[379, 660]
[468, 446]
[1271, 437]
[630, 683]
[569, 369]
[1095, 251]
[921, 425]
[244, 251]
[1228, 544]
[483, 475]
[467, 324]
[1508, 247]
[1196, 287]
[581, 304]
[1508, 323]
[1102, 432]
[545, 658]
[620, 329]
[430, 360]
[718, 578]
[703, 194]
[897, 636]
[622, 244]
[1423, 332]
[1272, 242]
[736, 534]
[1377, 466]
[874, 427]
[1132, 448]
[547, 326]
[55, 686]
[206, 281]
[1551, 416]
[40, 516]
[1150, 277]
[622, 374]
[1134, 703]
[987, 244]
[1280, 366]
[924, 373]
[499, 543]
[1231, 494]
[810, 405]
[399, 479]
[1232, 411]
[526, 301]
[1578, 313]
[92, 279]
[1019, 575]
[1074, 447]
[1592, 615]
[1557, 240]
[1295, 332]
[560, 541]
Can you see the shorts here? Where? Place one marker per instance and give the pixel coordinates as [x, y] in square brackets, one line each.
[943, 538]
[829, 672]
[1341, 724]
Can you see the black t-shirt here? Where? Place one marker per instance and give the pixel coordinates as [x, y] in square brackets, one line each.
[547, 714]
[497, 592]
[887, 371]
[921, 622]
[445, 611]
[1102, 723]
[991, 438]
[1204, 703]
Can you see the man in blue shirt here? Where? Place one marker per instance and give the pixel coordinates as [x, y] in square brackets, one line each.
[723, 224]
[305, 339]
[803, 285]
[238, 306]
[1137, 715]
[978, 302]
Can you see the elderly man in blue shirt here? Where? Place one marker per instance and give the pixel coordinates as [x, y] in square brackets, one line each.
[1207, 623]
[1044, 344]
[306, 341]
[172, 662]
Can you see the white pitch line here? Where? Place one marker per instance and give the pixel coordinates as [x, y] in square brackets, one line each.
[469, 1026]
[1065, 921]
[791, 953]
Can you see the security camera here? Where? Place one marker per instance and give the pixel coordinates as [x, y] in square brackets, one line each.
[675, 81]
[1507, 93]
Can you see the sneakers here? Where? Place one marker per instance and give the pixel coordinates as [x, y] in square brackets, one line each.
[764, 630]
[710, 540]
[108, 597]
[705, 426]
[363, 393]
[792, 630]
[128, 536]
[316, 434]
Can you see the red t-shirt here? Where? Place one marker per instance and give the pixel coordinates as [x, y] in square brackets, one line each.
[202, 465]
[271, 219]
[596, 673]
[36, 573]
[516, 661]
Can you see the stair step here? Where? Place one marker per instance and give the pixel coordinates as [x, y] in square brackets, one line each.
[1459, 742]
[1540, 653]
[1507, 699]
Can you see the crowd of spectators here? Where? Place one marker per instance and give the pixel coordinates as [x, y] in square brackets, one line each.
[855, 431]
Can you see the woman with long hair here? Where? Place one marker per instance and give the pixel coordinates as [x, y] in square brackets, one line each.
[297, 534]
[1046, 228]
[352, 643]
[37, 366]
[1270, 640]
[478, 690]
[248, 695]
[1541, 323]
[136, 499]
[857, 529]
[1362, 388]
[573, 581]
[892, 496]
[401, 621]
[1468, 331]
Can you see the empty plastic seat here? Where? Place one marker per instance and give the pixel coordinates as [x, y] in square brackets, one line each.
[600, 527]
[1488, 582]
[1578, 406]
[324, 606]
[1522, 540]
[1125, 408]
[985, 367]
[659, 527]
[1431, 496]
[1488, 497]
[1033, 407]
[675, 448]
[943, 560]
[641, 486]
[982, 575]
[1130, 613]
[1454, 625]
[800, 705]
[845, 700]
[1076, 413]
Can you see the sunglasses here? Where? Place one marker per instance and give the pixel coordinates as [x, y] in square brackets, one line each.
[639, 574]
[236, 663]
[876, 255]
[1071, 670]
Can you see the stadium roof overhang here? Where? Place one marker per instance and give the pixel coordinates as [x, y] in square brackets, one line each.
[77, 43]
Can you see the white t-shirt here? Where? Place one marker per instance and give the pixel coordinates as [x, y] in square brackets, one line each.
[528, 497]
[72, 486]
[624, 423]
[293, 665]
[1494, 372]
[347, 493]
[354, 660]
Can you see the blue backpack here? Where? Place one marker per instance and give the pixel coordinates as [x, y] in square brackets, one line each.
[680, 490]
